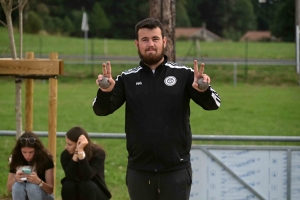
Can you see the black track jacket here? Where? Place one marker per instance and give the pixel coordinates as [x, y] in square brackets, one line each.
[157, 115]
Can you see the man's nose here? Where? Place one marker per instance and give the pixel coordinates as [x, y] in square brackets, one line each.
[150, 43]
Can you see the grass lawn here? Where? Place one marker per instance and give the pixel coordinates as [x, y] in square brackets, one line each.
[246, 110]
[44, 44]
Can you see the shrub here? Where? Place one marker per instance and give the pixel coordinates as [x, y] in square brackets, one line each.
[33, 23]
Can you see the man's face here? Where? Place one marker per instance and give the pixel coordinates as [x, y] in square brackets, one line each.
[150, 45]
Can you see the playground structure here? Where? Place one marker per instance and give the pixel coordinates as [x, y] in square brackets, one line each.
[30, 69]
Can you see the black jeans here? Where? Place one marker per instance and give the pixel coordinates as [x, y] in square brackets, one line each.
[170, 185]
[84, 190]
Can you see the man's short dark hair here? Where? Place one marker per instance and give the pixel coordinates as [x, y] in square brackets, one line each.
[150, 23]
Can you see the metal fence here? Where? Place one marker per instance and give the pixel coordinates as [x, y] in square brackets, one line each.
[194, 137]
[99, 59]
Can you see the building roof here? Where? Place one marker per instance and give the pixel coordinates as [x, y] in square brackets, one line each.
[196, 32]
[256, 35]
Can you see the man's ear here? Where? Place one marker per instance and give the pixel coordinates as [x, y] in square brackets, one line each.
[136, 43]
[165, 41]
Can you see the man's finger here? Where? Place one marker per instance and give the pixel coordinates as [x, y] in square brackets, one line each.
[195, 67]
[201, 69]
[104, 71]
[108, 69]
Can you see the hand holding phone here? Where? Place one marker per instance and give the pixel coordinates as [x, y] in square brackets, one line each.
[26, 171]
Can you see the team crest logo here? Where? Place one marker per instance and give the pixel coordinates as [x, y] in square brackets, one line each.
[170, 81]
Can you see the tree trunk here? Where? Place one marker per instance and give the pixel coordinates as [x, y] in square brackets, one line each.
[155, 9]
[22, 4]
[18, 81]
[165, 11]
[7, 7]
[18, 107]
[297, 23]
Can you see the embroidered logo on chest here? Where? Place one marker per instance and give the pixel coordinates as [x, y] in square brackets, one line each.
[170, 81]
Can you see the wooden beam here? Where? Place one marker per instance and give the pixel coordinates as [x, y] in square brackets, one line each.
[30, 67]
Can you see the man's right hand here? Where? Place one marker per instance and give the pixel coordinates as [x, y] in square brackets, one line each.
[106, 71]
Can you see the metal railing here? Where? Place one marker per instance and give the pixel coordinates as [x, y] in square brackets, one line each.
[194, 137]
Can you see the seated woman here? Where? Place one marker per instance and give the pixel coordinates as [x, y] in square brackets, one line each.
[31, 174]
[83, 164]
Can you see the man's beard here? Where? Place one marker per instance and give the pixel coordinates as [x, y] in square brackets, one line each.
[151, 59]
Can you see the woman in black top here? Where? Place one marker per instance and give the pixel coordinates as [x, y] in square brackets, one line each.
[83, 164]
[31, 170]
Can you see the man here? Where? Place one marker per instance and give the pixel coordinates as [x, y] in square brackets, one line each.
[157, 95]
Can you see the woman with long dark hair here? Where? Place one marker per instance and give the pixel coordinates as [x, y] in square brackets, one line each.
[31, 174]
[83, 164]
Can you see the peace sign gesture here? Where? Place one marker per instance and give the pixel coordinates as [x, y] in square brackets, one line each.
[105, 80]
[199, 74]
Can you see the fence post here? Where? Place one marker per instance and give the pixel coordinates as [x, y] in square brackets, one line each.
[234, 74]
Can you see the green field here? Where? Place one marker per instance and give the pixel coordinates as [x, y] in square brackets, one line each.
[245, 110]
[44, 44]
[265, 103]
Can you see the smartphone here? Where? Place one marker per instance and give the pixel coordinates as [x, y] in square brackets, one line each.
[26, 170]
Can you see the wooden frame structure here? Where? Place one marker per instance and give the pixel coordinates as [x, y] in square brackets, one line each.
[30, 69]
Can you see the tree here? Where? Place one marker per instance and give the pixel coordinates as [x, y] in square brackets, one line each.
[22, 4]
[68, 26]
[224, 17]
[123, 15]
[283, 25]
[76, 16]
[265, 12]
[98, 21]
[209, 12]
[182, 17]
[33, 23]
[238, 18]
[7, 8]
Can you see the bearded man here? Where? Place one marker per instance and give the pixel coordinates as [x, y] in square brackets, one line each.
[157, 96]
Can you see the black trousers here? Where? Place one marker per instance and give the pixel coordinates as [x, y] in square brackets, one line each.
[171, 185]
[84, 190]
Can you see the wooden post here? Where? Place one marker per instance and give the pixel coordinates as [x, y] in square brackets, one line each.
[41, 67]
[52, 125]
[29, 99]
